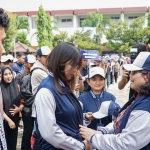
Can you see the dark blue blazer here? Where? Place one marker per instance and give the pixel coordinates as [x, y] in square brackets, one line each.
[90, 104]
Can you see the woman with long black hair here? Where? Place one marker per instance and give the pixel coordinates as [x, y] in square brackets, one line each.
[11, 106]
[59, 113]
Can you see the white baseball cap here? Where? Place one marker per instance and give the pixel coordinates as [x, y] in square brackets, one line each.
[10, 57]
[43, 51]
[3, 58]
[142, 62]
[30, 59]
[96, 70]
[107, 108]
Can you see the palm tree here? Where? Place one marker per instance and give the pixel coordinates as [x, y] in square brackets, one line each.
[98, 21]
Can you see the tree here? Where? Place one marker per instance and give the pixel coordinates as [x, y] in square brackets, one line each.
[44, 29]
[11, 33]
[122, 34]
[83, 40]
[147, 41]
[61, 37]
[22, 37]
[22, 23]
[96, 20]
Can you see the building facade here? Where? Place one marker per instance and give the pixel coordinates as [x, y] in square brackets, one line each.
[69, 17]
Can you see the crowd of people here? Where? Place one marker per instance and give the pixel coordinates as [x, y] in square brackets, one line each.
[64, 102]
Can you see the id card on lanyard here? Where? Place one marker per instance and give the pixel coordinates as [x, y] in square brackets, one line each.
[97, 101]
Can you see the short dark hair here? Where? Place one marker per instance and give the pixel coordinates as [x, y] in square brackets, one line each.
[20, 54]
[145, 89]
[4, 21]
[60, 55]
[140, 48]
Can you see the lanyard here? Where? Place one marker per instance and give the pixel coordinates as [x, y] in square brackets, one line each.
[97, 100]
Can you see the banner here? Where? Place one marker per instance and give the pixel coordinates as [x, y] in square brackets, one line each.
[90, 54]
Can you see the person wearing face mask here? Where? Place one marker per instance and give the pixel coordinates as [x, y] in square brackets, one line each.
[11, 106]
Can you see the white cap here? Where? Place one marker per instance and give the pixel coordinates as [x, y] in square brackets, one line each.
[3, 58]
[44, 50]
[103, 111]
[107, 108]
[10, 57]
[142, 62]
[30, 59]
[96, 70]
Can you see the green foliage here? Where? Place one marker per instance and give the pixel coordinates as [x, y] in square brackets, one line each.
[148, 19]
[44, 29]
[22, 37]
[96, 20]
[61, 37]
[83, 40]
[121, 36]
[16, 23]
[147, 41]
[22, 23]
[11, 33]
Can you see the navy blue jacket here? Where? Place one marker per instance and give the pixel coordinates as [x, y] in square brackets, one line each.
[90, 104]
[68, 116]
[143, 103]
[17, 67]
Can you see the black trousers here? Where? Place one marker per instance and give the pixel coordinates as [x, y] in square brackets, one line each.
[11, 135]
[28, 123]
[116, 76]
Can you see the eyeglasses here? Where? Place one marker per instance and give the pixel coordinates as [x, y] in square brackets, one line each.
[144, 72]
[134, 72]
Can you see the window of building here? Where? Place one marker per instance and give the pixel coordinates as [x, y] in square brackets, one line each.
[115, 19]
[131, 18]
[66, 20]
[81, 20]
[34, 23]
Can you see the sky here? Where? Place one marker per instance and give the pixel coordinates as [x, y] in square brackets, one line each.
[32, 5]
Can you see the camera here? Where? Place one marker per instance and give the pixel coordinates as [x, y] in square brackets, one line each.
[133, 54]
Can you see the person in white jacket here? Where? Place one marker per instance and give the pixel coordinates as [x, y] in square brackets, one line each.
[130, 130]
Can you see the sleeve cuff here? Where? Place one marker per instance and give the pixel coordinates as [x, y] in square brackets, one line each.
[83, 146]
[91, 138]
[84, 117]
[103, 131]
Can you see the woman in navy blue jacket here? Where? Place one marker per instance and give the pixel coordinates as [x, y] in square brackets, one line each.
[59, 112]
[93, 98]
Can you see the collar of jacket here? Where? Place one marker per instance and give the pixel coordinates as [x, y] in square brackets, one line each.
[60, 82]
[93, 95]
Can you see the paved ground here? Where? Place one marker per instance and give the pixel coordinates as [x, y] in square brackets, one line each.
[121, 96]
